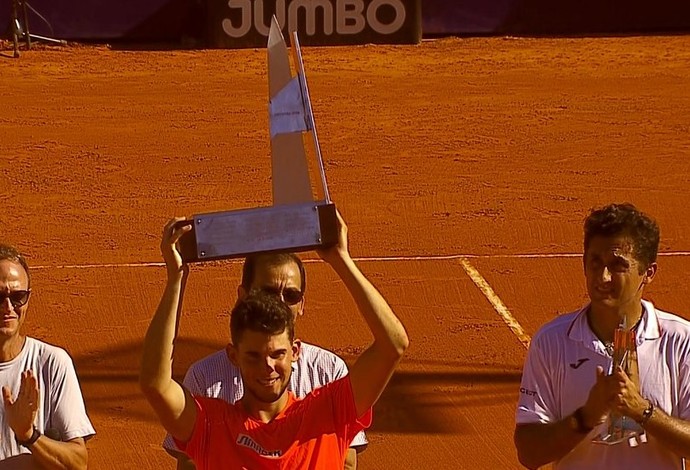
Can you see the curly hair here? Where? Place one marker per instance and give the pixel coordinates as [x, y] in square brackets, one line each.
[261, 312]
[625, 219]
[10, 253]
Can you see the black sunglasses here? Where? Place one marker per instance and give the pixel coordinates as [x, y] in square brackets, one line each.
[17, 297]
[291, 296]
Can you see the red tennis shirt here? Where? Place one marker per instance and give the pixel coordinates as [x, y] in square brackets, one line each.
[313, 433]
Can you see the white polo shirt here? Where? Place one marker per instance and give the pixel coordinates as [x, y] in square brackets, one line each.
[216, 377]
[560, 370]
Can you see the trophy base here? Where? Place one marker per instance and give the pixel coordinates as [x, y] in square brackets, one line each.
[623, 430]
[236, 234]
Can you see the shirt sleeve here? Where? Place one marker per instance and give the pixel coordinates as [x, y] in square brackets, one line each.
[684, 379]
[345, 411]
[197, 445]
[339, 368]
[69, 413]
[338, 371]
[191, 382]
[536, 402]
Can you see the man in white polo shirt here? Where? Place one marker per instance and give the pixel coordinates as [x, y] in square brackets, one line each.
[566, 392]
[216, 377]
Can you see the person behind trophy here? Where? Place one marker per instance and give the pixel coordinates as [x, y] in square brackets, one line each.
[215, 376]
[269, 427]
[566, 397]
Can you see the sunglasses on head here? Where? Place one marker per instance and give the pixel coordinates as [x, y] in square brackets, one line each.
[17, 297]
[290, 296]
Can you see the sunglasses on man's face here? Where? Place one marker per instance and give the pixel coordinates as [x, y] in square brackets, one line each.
[290, 296]
[17, 297]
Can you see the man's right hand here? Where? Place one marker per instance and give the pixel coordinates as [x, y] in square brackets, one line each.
[21, 411]
[173, 230]
[600, 399]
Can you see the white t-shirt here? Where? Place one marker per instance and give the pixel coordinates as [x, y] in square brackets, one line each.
[216, 377]
[61, 409]
[560, 370]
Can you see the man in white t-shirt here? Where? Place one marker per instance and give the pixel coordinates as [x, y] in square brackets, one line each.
[43, 422]
[567, 394]
[216, 376]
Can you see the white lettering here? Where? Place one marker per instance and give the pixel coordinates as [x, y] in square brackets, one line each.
[394, 25]
[259, 24]
[245, 25]
[310, 7]
[350, 16]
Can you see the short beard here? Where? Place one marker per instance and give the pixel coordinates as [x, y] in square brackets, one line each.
[263, 400]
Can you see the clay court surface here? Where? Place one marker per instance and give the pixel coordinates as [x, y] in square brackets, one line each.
[458, 163]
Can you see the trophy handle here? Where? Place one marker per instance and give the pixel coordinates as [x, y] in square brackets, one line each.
[620, 428]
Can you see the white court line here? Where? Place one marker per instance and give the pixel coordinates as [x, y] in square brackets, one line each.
[476, 277]
[361, 259]
[497, 303]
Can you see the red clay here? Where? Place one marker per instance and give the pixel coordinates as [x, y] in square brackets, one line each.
[492, 147]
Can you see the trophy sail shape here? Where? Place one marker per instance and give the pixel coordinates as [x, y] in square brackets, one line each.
[287, 117]
[295, 222]
[297, 53]
[619, 428]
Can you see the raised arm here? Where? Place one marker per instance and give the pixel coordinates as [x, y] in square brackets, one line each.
[172, 403]
[374, 367]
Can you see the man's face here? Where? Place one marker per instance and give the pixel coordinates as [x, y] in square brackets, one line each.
[13, 278]
[613, 274]
[283, 280]
[265, 362]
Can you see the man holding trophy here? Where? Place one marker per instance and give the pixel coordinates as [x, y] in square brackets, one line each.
[269, 427]
[215, 376]
[608, 386]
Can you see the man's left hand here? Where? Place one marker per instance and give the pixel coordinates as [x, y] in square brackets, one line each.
[628, 400]
[339, 251]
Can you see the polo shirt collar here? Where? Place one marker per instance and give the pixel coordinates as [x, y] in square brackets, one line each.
[648, 329]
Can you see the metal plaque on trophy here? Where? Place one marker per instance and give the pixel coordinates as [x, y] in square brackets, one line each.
[619, 428]
[298, 220]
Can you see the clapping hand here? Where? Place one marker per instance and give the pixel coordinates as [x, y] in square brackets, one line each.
[21, 412]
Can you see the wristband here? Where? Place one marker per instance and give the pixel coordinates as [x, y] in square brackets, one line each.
[579, 422]
[32, 440]
[647, 414]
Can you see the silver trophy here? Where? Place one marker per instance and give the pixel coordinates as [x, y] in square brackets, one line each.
[301, 218]
[619, 428]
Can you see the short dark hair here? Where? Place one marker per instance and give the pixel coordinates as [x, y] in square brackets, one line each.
[625, 219]
[270, 259]
[262, 312]
[10, 253]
